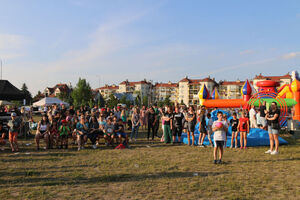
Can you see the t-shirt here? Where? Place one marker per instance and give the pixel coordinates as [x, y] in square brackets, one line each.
[177, 119]
[64, 130]
[252, 113]
[151, 117]
[209, 123]
[262, 111]
[109, 128]
[169, 115]
[219, 135]
[202, 120]
[271, 115]
[119, 128]
[14, 125]
[234, 123]
[258, 120]
[243, 124]
[80, 127]
[94, 125]
[190, 115]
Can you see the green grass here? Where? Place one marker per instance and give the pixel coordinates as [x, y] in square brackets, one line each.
[150, 171]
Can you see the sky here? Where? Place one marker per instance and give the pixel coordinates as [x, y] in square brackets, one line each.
[44, 42]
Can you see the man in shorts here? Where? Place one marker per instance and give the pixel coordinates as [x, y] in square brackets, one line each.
[120, 132]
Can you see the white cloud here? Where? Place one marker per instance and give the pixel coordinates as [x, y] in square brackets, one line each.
[12, 46]
[291, 55]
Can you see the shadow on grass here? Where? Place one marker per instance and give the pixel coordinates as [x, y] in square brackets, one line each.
[273, 160]
[30, 159]
[33, 181]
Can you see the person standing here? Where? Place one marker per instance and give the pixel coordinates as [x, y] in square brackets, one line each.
[273, 128]
[167, 117]
[191, 122]
[243, 127]
[202, 128]
[263, 111]
[152, 118]
[234, 124]
[177, 124]
[252, 116]
[14, 128]
[135, 119]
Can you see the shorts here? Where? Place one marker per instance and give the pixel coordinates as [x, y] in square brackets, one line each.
[177, 131]
[123, 135]
[109, 134]
[63, 136]
[209, 131]
[185, 125]
[219, 143]
[272, 131]
[191, 127]
[203, 130]
[263, 121]
[234, 129]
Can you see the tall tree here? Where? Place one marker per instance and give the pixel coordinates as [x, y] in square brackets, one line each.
[27, 94]
[82, 93]
[145, 101]
[112, 101]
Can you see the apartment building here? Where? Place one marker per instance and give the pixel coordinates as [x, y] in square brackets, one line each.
[164, 90]
[230, 89]
[189, 88]
[144, 87]
[107, 90]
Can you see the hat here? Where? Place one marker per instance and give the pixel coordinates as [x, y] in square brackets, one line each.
[64, 121]
[13, 114]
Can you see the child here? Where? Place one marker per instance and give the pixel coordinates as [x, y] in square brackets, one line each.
[243, 127]
[64, 131]
[219, 127]
[234, 122]
[109, 132]
[209, 124]
[54, 136]
[120, 131]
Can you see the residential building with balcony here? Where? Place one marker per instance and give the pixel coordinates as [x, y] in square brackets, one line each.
[164, 90]
[285, 79]
[107, 90]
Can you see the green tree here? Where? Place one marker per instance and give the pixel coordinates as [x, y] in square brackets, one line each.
[167, 101]
[82, 93]
[112, 101]
[27, 94]
[145, 101]
[66, 97]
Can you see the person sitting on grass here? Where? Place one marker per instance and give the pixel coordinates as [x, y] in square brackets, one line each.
[243, 127]
[219, 128]
[109, 132]
[120, 133]
[43, 132]
[81, 130]
[64, 132]
[54, 136]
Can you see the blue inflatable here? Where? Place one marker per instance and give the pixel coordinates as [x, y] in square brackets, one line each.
[256, 137]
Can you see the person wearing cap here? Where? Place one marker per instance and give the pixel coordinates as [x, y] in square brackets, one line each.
[14, 127]
[64, 132]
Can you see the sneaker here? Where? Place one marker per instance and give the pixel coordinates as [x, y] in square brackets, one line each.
[2, 148]
[231, 146]
[236, 147]
[269, 151]
[97, 143]
[78, 149]
[94, 146]
[219, 161]
[106, 144]
[274, 152]
[245, 147]
[82, 147]
[134, 140]
[241, 147]
[201, 145]
[215, 161]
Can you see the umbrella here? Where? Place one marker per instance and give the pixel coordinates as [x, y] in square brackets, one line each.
[4, 103]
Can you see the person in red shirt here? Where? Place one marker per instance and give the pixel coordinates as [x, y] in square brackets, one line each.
[243, 127]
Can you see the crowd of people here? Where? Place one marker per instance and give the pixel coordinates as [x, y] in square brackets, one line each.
[60, 127]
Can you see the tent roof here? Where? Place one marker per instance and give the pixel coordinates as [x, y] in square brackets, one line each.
[49, 101]
[9, 92]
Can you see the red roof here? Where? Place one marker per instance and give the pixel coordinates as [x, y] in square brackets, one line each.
[197, 81]
[231, 82]
[108, 87]
[134, 83]
[260, 76]
[166, 85]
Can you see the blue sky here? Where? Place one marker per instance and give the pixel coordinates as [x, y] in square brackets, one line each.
[47, 42]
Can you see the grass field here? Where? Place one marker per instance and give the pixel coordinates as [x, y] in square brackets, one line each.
[150, 171]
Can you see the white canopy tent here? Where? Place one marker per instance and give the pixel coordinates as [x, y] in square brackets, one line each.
[4, 103]
[47, 101]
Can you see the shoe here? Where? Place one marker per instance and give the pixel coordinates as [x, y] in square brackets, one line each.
[78, 149]
[2, 149]
[245, 147]
[230, 146]
[236, 147]
[134, 140]
[215, 161]
[82, 147]
[94, 146]
[97, 143]
[269, 151]
[219, 161]
[106, 144]
[274, 152]
[241, 147]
